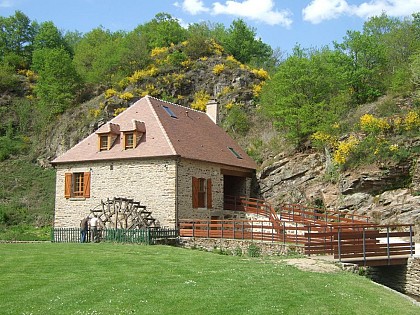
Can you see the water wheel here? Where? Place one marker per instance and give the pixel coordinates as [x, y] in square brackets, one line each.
[124, 213]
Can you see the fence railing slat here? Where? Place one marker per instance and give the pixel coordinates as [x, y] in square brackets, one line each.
[140, 236]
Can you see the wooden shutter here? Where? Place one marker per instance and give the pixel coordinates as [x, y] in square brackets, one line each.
[209, 194]
[67, 185]
[195, 188]
[86, 183]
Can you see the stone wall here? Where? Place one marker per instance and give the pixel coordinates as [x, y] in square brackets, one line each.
[412, 285]
[402, 278]
[150, 182]
[188, 169]
[164, 186]
[239, 246]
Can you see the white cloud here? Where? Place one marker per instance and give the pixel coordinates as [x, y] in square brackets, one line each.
[259, 10]
[193, 6]
[390, 7]
[321, 10]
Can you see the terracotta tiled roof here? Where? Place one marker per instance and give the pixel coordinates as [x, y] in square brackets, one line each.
[190, 134]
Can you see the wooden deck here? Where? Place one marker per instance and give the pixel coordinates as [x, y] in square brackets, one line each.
[347, 236]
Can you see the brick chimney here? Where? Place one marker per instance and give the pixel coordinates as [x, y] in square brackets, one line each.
[212, 110]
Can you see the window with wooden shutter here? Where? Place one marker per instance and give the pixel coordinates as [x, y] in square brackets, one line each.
[86, 188]
[67, 185]
[209, 194]
[195, 187]
[202, 193]
[77, 185]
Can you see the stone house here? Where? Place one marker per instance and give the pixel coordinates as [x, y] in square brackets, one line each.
[174, 160]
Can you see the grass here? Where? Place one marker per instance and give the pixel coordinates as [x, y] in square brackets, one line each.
[51, 278]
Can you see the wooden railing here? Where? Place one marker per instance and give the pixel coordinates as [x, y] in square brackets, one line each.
[374, 243]
[261, 230]
[347, 236]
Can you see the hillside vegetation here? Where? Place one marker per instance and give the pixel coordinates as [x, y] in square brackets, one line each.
[55, 88]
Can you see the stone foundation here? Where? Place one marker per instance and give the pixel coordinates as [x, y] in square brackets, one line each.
[241, 247]
[402, 278]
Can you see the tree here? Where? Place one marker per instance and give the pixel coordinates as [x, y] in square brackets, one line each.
[366, 59]
[306, 93]
[17, 33]
[240, 41]
[49, 36]
[58, 81]
[162, 31]
[87, 52]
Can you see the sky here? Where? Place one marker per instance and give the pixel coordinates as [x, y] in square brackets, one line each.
[279, 23]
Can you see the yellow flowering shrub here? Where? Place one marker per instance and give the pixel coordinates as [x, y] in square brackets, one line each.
[412, 120]
[225, 90]
[261, 73]
[201, 98]
[257, 88]
[126, 96]
[325, 139]
[142, 74]
[344, 149]
[232, 61]
[371, 124]
[110, 93]
[29, 74]
[393, 147]
[186, 63]
[94, 112]
[157, 51]
[218, 69]
[229, 105]
[150, 90]
[216, 48]
[119, 110]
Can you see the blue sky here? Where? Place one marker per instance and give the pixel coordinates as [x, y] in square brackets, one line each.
[280, 23]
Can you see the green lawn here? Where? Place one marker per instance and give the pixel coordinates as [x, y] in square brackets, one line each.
[51, 278]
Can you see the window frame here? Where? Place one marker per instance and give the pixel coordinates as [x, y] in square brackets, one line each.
[104, 145]
[77, 185]
[202, 193]
[127, 137]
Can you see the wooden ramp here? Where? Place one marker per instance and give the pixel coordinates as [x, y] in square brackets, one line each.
[349, 237]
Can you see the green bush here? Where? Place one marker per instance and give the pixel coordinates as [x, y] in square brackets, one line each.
[9, 81]
[236, 121]
[254, 250]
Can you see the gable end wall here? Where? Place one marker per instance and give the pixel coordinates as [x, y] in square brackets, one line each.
[150, 182]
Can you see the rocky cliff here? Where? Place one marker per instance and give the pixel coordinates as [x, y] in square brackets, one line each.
[387, 193]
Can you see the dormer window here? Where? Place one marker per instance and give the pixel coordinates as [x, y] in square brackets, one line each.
[131, 134]
[107, 135]
[129, 140]
[103, 143]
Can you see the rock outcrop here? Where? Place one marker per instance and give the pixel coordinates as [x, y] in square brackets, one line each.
[388, 194]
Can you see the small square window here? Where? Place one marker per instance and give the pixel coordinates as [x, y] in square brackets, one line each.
[129, 140]
[103, 143]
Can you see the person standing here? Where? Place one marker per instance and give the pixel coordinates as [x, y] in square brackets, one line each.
[94, 228]
[84, 226]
